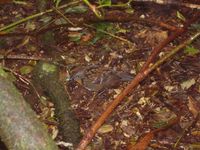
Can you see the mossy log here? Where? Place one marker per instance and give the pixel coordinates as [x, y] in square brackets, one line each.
[20, 128]
[46, 76]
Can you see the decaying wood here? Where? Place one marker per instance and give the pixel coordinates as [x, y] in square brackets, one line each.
[46, 77]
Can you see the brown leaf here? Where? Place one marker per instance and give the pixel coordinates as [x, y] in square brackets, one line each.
[86, 38]
[193, 106]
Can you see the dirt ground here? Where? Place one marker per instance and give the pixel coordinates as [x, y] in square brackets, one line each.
[96, 66]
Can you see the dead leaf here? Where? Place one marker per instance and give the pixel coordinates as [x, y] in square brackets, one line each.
[153, 37]
[187, 84]
[105, 129]
[144, 101]
[86, 37]
[193, 106]
[88, 58]
[195, 133]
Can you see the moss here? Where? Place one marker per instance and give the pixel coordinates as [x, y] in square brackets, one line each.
[46, 76]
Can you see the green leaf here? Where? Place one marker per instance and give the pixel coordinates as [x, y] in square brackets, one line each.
[3, 73]
[60, 21]
[46, 19]
[180, 16]
[105, 2]
[191, 51]
[75, 37]
[7, 75]
[95, 39]
[103, 26]
[57, 2]
[130, 10]
[26, 69]
[77, 9]
[48, 67]
[159, 124]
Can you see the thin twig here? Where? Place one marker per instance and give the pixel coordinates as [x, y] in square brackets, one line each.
[64, 17]
[35, 16]
[22, 57]
[110, 34]
[23, 79]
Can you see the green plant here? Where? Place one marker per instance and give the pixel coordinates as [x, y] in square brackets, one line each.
[191, 51]
[97, 10]
[105, 3]
[57, 2]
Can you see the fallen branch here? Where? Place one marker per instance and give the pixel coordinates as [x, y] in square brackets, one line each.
[23, 57]
[110, 16]
[118, 16]
[171, 2]
[134, 83]
[173, 36]
[144, 141]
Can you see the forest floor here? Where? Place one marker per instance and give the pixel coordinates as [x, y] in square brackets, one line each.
[98, 59]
